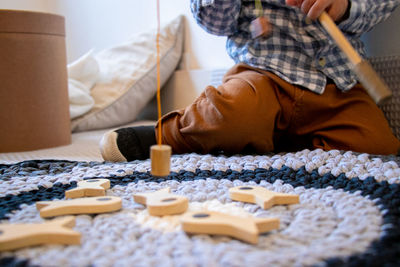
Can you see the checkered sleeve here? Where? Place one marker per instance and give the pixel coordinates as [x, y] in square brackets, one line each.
[218, 17]
[365, 14]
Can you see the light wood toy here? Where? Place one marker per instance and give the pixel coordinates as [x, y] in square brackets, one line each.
[216, 223]
[261, 196]
[89, 188]
[15, 236]
[162, 202]
[260, 27]
[90, 205]
[374, 85]
[160, 160]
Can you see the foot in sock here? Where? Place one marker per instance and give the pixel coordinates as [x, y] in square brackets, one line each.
[127, 144]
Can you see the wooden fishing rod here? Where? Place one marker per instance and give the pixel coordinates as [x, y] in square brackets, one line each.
[367, 76]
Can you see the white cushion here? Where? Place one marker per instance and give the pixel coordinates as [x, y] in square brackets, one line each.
[82, 76]
[128, 77]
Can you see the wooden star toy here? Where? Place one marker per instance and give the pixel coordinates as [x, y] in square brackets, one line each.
[58, 231]
[162, 202]
[216, 223]
[89, 188]
[261, 196]
[90, 205]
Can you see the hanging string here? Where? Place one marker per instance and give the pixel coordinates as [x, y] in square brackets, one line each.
[259, 8]
[158, 74]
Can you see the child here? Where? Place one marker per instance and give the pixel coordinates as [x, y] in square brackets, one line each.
[290, 90]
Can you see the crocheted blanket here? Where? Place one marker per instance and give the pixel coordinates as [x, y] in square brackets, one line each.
[348, 214]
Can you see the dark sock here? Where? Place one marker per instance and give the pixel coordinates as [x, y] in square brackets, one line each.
[135, 142]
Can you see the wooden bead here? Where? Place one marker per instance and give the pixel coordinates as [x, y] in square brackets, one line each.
[260, 27]
[160, 160]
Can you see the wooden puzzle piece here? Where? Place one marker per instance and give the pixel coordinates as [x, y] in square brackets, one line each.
[162, 202]
[14, 236]
[89, 188]
[210, 222]
[88, 205]
[261, 196]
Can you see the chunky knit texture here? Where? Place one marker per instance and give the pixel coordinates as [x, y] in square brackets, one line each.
[347, 215]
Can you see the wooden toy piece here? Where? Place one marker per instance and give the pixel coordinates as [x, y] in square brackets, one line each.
[90, 205]
[14, 236]
[261, 196]
[160, 160]
[210, 222]
[260, 27]
[161, 202]
[374, 85]
[89, 188]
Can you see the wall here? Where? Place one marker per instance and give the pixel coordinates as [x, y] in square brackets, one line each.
[32, 5]
[384, 39]
[100, 24]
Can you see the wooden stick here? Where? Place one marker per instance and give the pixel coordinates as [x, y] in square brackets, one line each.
[339, 38]
[374, 85]
[260, 27]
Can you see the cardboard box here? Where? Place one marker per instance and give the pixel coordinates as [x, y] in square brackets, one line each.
[34, 104]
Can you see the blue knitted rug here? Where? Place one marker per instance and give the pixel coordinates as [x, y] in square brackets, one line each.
[348, 215]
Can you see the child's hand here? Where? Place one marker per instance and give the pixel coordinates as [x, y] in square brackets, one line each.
[313, 8]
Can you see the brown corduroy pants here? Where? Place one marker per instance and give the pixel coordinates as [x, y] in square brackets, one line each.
[256, 111]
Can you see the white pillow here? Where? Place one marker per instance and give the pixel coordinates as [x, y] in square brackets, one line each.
[128, 77]
[82, 75]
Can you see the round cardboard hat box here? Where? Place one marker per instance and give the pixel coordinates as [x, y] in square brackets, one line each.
[34, 105]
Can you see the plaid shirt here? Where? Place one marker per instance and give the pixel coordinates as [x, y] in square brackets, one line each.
[298, 50]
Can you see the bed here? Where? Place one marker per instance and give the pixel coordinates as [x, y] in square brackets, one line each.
[348, 213]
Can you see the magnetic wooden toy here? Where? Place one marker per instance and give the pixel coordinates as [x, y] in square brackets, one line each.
[374, 85]
[216, 223]
[160, 160]
[261, 196]
[58, 231]
[260, 27]
[89, 188]
[90, 205]
[162, 202]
